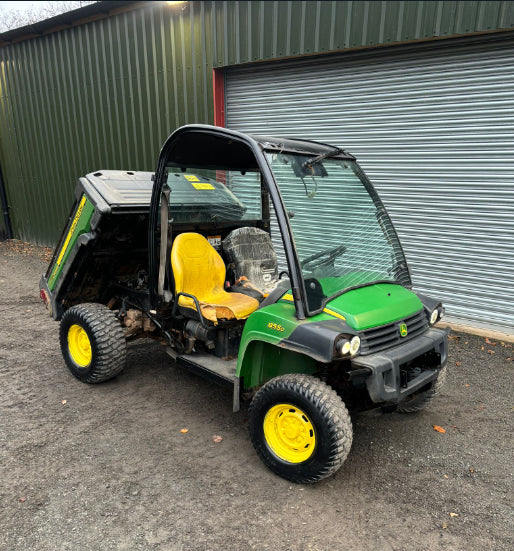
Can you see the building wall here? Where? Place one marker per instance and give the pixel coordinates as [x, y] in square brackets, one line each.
[106, 93]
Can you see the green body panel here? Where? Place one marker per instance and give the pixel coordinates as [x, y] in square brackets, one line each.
[262, 353]
[369, 306]
[260, 356]
[80, 223]
[376, 305]
[264, 361]
[272, 324]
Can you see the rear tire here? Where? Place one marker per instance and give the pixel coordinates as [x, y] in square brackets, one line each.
[420, 400]
[92, 342]
[300, 428]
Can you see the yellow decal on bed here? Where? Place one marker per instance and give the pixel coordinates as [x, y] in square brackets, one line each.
[72, 228]
[191, 178]
[202, 186]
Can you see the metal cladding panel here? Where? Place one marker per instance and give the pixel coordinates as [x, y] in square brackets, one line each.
[105, 94]
[253, 31]
[435, 133]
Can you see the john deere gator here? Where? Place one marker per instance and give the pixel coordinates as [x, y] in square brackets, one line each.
[221, 254]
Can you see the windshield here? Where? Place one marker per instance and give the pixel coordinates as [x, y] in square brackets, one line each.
[343, 236]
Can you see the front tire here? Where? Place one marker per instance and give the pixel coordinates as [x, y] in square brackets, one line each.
[92, 343]
[300, 428]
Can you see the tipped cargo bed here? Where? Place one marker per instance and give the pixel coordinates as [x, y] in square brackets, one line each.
[104, 241]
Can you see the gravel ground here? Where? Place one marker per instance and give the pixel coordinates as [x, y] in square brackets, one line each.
[107, 467]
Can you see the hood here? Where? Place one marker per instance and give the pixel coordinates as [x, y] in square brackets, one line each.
[375, 305]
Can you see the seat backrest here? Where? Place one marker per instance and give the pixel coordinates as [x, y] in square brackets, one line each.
[251, 254]
[197, 268]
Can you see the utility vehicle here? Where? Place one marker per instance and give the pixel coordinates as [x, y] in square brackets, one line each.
[269, 265]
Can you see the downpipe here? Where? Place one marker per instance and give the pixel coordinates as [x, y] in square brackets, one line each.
[5, 207]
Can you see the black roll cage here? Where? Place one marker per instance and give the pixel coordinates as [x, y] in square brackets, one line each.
[268, 180]
[257, 145]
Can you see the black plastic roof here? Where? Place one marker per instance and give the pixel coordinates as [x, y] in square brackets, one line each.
[201, 145]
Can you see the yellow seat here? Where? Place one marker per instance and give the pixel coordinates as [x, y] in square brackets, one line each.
[199, 271]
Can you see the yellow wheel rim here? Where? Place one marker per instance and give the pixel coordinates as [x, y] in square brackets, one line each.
[289, 433]
[79, 346]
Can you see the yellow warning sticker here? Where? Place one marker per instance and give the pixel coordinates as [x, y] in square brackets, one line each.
[191, 178]
[202, 186]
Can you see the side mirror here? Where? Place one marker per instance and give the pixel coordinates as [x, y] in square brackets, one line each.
[314, 293]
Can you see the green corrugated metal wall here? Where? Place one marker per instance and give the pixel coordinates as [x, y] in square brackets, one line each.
[106, 94]
[102, 95]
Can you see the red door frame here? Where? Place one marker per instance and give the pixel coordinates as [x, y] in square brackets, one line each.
[218, 85]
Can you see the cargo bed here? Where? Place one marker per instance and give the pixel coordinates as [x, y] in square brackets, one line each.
[106, 232]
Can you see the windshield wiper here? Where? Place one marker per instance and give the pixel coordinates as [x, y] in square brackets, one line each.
[309, 162]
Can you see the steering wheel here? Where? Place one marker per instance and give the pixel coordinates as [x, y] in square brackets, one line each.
[323, 258]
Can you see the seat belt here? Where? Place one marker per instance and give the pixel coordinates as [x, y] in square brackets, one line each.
[165, 196]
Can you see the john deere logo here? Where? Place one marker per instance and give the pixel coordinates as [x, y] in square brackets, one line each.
[403, 330]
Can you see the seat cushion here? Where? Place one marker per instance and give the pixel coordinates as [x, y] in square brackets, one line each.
[223, 306]
[199, 271]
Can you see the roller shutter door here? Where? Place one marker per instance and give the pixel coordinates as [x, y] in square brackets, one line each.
[435, 133]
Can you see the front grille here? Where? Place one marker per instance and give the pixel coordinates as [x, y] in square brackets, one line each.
[386, 336]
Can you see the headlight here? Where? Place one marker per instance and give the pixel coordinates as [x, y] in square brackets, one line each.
[347, 346]
[355, 345]
[343, 347]
[436, 315]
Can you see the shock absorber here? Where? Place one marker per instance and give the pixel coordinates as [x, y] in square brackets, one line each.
[323, 372]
